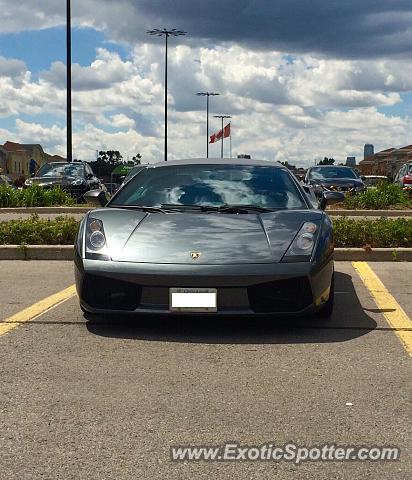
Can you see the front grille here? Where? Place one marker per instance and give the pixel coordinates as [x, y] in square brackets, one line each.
[282, 296]
[110, 293]
[340, 188]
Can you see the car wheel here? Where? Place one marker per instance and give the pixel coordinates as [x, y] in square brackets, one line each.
[327, 309]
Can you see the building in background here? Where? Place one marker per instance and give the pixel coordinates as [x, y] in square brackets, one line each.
[368, 150]
[350, 161]
[387, 162]
[15, 158]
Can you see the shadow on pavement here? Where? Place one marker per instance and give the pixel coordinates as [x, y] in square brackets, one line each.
[349, 321]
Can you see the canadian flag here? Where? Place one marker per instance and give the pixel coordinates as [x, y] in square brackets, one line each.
[215, 137]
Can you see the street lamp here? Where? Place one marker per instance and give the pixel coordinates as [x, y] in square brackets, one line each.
[69, 152]
[166, 33]
[207, 95]
[222, 117]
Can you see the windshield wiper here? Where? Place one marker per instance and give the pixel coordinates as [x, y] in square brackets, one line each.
[225, 208]
[243, 208]
[144, 208]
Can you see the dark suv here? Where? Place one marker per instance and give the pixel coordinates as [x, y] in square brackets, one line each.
[336, 178]
[74, 177]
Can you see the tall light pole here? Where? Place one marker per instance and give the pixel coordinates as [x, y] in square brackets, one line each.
[207, 95]
[166, 33]
[69, 153]
[222, 117]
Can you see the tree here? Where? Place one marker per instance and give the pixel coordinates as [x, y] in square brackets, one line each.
[327, 161]
[137, 159]
[106, 162]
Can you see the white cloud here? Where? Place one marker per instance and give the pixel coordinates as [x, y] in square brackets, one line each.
[289, 109]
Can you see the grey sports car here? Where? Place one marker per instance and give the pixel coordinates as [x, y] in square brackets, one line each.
[207, 236]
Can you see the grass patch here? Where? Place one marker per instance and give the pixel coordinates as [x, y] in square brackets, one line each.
[34, 196]
[384, 196]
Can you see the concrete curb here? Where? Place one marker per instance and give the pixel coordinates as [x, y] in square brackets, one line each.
[65, 252]
[369, 213]
[400, 254]
[46, 210]
[36, 252]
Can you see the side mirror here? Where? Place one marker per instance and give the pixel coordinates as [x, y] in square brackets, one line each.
[329, 197]
[96, 197]
[363, 178]
[89, 176]
[32, 174]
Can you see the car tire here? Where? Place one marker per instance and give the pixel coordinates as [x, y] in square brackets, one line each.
[327, 309]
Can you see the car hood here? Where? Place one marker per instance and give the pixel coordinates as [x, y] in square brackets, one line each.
[62, 180]
[135, 236]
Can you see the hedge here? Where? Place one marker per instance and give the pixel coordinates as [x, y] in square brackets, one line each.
[33, 196]
[37, 231]
[384, 196]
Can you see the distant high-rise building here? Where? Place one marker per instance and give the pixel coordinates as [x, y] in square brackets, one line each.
[368, 150]
[351, 161]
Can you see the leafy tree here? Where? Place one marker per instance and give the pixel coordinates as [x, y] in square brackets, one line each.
[327, 161]
[137, 159]
[106, 162]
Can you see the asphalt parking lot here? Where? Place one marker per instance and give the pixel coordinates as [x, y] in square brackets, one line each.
[83, 398]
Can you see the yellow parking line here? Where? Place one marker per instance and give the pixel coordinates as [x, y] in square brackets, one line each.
[393, 312]
[36, 309]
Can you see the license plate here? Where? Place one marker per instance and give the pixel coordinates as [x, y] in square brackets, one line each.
[193, 299]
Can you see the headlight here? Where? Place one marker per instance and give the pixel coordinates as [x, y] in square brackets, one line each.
[96, 246]
[28, 182]
[301, 248]
[78, 181]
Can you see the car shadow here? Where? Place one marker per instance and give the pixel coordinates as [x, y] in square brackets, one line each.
[348, 321]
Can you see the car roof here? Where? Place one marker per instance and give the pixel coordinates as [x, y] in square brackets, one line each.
[218, 161]
[65, 163]
[332, 166]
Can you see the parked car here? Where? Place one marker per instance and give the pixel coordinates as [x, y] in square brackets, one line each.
[335, 178]
[74, 177]
[207, 236]
[404, 177]
[372, 180]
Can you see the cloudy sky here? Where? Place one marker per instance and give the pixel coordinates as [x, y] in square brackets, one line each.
[302, 79]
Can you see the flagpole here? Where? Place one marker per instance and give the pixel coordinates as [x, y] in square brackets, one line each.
[207, 95]
[222, 117]
[230, 139]
[221, 146]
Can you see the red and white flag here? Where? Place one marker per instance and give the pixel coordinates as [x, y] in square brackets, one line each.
[218, 136]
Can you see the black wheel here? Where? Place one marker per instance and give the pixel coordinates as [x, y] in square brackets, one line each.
[327, 309]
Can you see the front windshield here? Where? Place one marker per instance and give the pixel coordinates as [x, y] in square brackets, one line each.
[322, 173]
[61, 170]
[215, 185]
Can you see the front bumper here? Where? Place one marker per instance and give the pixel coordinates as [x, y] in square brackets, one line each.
[247, 289]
